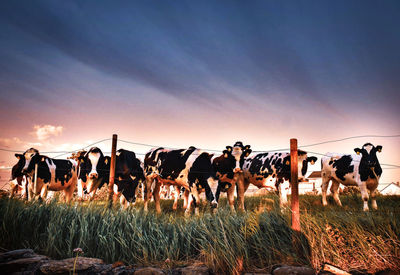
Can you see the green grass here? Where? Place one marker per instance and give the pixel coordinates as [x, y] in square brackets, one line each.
[259, 238]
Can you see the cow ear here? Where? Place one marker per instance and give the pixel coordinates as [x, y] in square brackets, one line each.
[248, 152]
[225, 152]
[287, 162]
[379, 148]
[105, 161]
[43, 159]
[229, 148]
[18, 156]
[210, 156]
[247, 147]
[357, 150]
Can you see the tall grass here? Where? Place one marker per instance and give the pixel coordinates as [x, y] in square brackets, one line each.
[224, 241]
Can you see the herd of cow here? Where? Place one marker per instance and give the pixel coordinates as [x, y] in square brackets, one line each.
[189, 172]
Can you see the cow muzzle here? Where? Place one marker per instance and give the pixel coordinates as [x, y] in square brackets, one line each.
[93, 176]
[237, 170]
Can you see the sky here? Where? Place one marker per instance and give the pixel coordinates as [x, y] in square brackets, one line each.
[202, 73]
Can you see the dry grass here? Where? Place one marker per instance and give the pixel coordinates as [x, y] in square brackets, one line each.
[224, 241]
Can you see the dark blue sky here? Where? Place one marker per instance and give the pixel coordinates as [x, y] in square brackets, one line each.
[264, 63]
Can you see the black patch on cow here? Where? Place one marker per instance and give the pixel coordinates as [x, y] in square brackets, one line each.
[173, 162]
[369, 162]
[224, 165]
[63, 171]
[200, 171]
[343, 166]
[16, 170]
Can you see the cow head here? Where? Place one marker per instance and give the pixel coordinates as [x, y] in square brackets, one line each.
[239, 152]
[94, 168]
[35, 159]
[28, 155]
[303, 161]
[368, 155]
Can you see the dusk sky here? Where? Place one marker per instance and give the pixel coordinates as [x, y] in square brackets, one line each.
[202, 73]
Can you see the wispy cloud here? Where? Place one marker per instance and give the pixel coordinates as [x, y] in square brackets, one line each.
[44, 132]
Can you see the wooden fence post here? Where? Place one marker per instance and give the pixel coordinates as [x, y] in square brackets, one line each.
[35, 181]
[295, 184]
[112, 171]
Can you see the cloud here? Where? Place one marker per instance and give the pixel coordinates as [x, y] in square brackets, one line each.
[46, 131]
[7, 142]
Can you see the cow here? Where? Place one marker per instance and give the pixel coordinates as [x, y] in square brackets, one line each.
[261, 168]
[362, 170]
[18, 180]
[95, 172]
[189, 168]
[128, 175]
[51, 175]
[227, 169]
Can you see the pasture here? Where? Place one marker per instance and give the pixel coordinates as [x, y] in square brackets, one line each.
[259, 238]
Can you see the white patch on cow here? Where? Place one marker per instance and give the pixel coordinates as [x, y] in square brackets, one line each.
[28, 156]
[368, 148]
[94, 159]
[236, 153]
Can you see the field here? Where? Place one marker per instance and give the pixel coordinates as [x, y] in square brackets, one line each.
[226, 242]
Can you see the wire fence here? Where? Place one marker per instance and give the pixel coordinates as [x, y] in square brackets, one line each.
[63, 153]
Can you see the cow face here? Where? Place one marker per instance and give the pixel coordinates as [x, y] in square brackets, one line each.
[28, 155]
[239, 152]
[94, 167]
[368, 153]
[303, 161]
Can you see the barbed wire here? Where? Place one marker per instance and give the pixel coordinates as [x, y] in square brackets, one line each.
[61, 153]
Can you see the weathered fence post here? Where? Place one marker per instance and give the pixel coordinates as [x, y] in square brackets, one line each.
[112, 170]
[295, 184]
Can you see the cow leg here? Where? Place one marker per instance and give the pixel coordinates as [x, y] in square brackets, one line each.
[283, 188]
[231, 197]
[324, 188]
[147, 192]
[176, 197]
[364, 194]
[196, 200]
[241, 188]
[80, 189]
[335, 191]
[156, 194]
[69, 192]
[43, 192]
[209, 194]
[31, 194]
[123, 202]
[373, 198]
[186, 198]
[14, 187]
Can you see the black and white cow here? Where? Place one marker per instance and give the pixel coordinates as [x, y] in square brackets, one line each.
[95, 172]
[227, 169]
[189, 168]
[52, 175]
[362, 170]
[261, 169]
[128, 175]
[18, 180]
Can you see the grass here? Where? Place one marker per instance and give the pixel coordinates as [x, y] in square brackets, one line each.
[259, 238]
